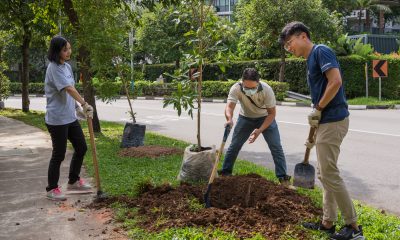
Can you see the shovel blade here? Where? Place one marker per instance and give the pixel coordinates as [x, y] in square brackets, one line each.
[304, 175]
[207, 196]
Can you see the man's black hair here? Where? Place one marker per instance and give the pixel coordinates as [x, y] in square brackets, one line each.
[293, 28]
[250, 74]
[56, 45]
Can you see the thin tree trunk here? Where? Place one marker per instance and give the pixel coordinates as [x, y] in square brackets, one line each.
[200, 81]
[381, 21]
[177, 63]
[25, 69]
[282, 65]
[84, 61]
[368, 21]
[88, 90]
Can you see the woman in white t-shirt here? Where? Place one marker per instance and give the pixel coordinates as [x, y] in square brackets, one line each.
[62, 108]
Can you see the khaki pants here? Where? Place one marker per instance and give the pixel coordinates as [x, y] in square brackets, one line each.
[329, 137]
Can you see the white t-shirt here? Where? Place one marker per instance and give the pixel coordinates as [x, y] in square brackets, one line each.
[264, 99]
[60, 107]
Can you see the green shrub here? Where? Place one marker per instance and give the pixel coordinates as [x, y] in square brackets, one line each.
[280, 89]
[15, 88]
[353, 70]
[36, 88]
[108, 90]
[219, 89]
[152, 72]
[4, 82]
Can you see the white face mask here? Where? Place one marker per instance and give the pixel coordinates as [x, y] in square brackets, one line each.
[250, 92]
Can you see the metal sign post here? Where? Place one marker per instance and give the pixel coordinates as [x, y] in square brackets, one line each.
[380, 91]
[379, 70]
[366, 80]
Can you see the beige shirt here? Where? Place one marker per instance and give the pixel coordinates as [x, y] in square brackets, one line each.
[264, 99]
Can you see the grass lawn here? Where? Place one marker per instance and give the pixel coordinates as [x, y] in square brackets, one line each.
[372, 101]
[123, 176]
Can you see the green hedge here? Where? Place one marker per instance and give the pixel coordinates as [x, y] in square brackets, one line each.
[34, 88]
[211, 89]
[221, 88]
[353, 69]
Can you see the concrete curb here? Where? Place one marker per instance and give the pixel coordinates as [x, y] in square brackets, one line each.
[279, 103]
[357, 107]
[30, 95]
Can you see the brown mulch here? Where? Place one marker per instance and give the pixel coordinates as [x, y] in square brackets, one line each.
[244, 204]
[152, 151]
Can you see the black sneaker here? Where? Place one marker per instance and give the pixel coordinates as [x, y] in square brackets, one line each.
[320, 227]
[348, 233]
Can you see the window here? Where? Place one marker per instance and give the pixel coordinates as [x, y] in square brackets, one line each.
[222, 5]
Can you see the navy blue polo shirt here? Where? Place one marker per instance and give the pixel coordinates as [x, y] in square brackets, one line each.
[320, 60]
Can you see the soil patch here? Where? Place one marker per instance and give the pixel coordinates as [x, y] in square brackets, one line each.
[151, 151]
[244, 204]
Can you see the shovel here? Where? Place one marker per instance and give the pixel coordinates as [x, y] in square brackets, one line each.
[304, 172]
[100, 194]
[214, 170]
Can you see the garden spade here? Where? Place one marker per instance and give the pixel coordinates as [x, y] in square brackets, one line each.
[100, 194]
[304, 172]
[214, 170]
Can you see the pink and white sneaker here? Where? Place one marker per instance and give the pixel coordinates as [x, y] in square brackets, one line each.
[56, 195]
[79, 185]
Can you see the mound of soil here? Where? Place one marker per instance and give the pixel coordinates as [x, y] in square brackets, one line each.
[151, 151]
[244, 204]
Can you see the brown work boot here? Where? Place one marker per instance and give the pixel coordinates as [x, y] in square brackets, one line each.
[285, 181]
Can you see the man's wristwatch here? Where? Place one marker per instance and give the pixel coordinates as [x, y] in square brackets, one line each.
[319, 108]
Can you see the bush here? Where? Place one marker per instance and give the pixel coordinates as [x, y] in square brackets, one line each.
[4, 82]
[211, 89]
[152, 72]
[15, 88]
[37, 88]
[353, 69]
[221, 88]
[218, 89]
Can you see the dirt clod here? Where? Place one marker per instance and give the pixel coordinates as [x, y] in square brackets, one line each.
[71, 219]
[151, 151]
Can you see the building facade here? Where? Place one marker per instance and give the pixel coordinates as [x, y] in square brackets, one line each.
[225, 8]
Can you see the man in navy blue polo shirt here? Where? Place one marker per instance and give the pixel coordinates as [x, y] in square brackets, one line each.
[330, 117]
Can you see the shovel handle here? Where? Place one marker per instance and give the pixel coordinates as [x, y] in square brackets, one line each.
[94, 153]
[219, 153]
[311, 140]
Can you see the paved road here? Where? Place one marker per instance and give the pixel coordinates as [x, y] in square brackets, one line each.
[370, 154]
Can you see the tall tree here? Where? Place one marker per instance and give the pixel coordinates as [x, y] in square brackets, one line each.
[369, 6]
[75, 17]
[160, 37]
[24, 18]
[344, 7]
[208, 38]
[263, 20]
[97, 27]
